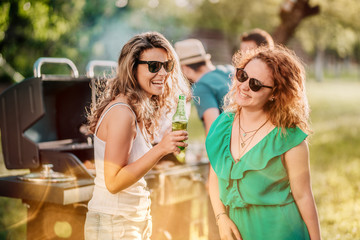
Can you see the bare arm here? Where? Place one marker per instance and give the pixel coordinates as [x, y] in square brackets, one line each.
[297, 162]
[209, 117]
[120, 132]
[227, 228]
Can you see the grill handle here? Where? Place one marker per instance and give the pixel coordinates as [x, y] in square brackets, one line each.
[102, 63]
[42, 60]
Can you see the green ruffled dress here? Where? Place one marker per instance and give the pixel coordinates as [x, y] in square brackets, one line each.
[256, 189]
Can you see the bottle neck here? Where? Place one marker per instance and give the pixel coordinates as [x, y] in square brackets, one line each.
[180, 113]
[181, 107]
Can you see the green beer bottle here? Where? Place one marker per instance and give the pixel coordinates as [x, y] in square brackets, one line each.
[179, 122]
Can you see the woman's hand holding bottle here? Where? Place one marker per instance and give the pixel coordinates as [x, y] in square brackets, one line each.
[171, 142]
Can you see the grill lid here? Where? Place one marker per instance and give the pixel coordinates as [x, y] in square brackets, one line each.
[21, 106]
[42, 109]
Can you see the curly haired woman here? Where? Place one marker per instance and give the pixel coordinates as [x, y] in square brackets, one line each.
[260, 178]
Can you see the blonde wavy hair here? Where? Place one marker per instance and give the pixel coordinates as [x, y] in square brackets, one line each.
[290, 107]
[148, 110]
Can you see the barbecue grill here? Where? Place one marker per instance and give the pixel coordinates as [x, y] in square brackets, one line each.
[43, 129]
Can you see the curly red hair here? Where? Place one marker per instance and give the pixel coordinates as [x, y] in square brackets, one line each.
[290, 106]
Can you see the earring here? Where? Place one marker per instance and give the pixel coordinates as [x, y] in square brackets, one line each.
[272, 99]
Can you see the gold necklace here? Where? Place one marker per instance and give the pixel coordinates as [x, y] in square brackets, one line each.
[245, 133]
[242, 142]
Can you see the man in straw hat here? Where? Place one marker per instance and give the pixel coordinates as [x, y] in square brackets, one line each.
[210, 83]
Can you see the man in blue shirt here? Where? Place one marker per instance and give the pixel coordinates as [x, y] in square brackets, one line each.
[210, 83]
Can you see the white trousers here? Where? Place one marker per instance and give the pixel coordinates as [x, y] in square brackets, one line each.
[101, 226]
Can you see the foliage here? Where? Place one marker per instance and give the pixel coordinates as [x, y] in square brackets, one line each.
[84, 30]
[236, 17]
[78, 30]
[38, 28]
[13, 219]
[335, 28]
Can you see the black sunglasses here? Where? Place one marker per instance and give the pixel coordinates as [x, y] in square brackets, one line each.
[155, 66]
[254, 84]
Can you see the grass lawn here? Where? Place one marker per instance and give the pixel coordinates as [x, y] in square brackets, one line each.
[334, 154]
[335, 157]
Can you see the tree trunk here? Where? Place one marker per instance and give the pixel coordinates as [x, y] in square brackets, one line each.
[292, 13]
[319, 64]
[14, 34]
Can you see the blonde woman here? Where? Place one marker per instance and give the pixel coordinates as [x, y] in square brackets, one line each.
[123, 122]
[260, 179]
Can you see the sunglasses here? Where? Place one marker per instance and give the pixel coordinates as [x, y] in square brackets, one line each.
[155, 66]
[254, 84]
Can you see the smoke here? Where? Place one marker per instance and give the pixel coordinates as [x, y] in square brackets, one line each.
[107, 43]
[106, 38]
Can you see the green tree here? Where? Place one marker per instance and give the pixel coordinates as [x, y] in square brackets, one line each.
[335, 31]
[32, 29]
[83, 30]
[336, 28]
[235, 17]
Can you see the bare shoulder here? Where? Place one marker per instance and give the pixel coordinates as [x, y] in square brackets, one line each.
[120, 109]
[119, 120]
[303, 146]
[120, 116]
[299, 153]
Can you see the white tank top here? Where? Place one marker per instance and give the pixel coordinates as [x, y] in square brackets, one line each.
[133, 202]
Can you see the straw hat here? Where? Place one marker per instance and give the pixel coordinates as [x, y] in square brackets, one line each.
[191, 51]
